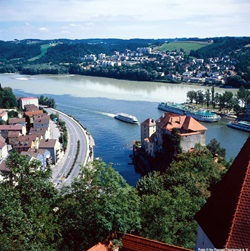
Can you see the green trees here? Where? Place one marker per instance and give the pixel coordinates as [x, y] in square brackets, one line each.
[215, 148]
[7, 98]
[35, 216]
[170, 201]
[225, 102]
[243, 95]
[50, 102]
[27, 218]
[95, 206]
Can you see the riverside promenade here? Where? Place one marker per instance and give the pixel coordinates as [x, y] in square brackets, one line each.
[79, 152]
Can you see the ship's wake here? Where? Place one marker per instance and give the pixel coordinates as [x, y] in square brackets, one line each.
[106, 114]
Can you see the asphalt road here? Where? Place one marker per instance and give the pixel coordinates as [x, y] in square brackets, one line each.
[60, 172]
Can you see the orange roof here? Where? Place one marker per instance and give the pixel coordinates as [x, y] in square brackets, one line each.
[169, 121]
[225, 218]
[99, 247]
[30, 114]
[136, 243]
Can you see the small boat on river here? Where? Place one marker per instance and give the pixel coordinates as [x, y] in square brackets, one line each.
[126, 118]
[240, 125]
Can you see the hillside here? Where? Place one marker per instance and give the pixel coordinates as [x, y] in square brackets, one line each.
[131, 59]
[182, 45]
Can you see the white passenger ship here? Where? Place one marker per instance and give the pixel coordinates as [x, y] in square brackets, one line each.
[126, 118]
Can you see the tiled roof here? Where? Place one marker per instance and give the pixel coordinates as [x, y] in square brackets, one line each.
[11, 127]
[30, 114]
[31, 107]
[169, 121]
[193, 125]
[13, 134]
[16, 120]
[136, 243]
[3, 166]
[47, 143]
[225, 218]
[148, 122]
[99, 247]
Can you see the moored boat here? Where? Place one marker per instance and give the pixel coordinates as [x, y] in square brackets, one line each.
[240, 125]
[126, 118]
[172, 107]
[204, 116]
[200, 115]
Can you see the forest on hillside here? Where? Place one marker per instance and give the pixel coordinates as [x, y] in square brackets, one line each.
[64, 56]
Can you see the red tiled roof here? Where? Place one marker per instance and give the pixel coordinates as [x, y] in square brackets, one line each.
[30, 114]
[13, 134]
[99, 247]
[16, 120]
[148, 122]
[169, 121]
[3, 166]
[136, 243]
[47, 143]
[225, 218]
[11, 127]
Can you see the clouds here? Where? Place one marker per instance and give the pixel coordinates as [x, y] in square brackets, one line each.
[124, 19]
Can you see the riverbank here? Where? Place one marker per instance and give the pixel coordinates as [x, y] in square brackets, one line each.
[94, 101]
[70, 163]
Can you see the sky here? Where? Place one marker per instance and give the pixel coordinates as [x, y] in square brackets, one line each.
[126, 19]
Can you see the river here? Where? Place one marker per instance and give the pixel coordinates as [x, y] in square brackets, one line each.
[94, 102]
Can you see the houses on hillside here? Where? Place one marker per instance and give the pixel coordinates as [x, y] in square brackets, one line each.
[29, 134]
[170, 65]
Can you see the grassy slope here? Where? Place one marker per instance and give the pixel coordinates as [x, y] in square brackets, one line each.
[186, 46]
[44, 49]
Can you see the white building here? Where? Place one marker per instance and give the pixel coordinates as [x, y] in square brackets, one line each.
[28, 101]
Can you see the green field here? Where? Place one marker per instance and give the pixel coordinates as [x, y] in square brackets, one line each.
[186, 46]
[44, 49]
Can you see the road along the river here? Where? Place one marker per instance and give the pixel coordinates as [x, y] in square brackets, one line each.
[62, 172]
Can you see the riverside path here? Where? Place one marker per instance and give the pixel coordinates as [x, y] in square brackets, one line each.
[68, 167]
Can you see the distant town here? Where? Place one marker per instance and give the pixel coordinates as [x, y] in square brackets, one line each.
[216, 61]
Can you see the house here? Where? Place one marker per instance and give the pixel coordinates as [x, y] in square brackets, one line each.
[31, 108]
[43, 132]
[41, 155]
[148, 129]
[136, 243]
[3, 169]
[29, 115]
[3, 148]
[225, 218]
[5, 129]
[23, 143]
[28, 101]
[17, 121]
[53, 146]
[3, 115]
[12, 136]
[41, 120]
[189, 130]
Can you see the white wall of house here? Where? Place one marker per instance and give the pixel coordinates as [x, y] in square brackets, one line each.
[146, 132]
[189, 141]
[202, 240]
[4, 152]
[29, 101]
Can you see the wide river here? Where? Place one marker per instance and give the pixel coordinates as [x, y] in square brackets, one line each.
[95, 101]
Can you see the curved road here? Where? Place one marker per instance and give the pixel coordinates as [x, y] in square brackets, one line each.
[75, 133]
